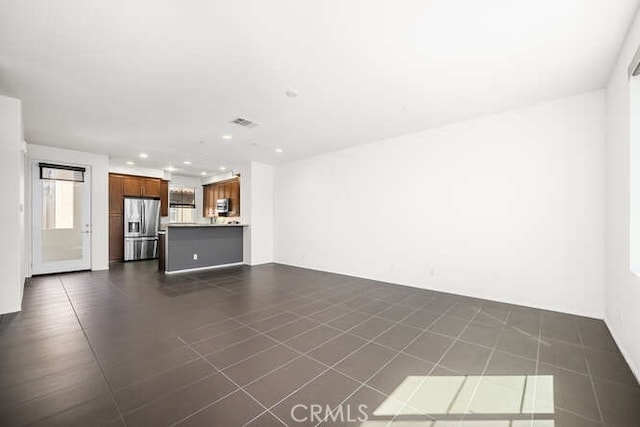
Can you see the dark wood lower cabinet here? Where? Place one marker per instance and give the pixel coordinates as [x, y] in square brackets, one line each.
[116, 238]
[164, 198]
[162, 247]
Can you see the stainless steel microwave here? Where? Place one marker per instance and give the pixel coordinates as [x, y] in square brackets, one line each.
[222, 205]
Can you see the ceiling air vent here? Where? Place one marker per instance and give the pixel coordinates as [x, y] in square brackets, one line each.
[240, 121]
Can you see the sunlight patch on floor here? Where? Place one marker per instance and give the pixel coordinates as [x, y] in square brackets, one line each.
[502, 395]
[465, 423]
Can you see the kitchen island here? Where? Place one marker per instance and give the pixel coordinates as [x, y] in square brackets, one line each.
[188, 247]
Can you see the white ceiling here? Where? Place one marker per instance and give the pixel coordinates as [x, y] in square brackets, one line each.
[121, 77]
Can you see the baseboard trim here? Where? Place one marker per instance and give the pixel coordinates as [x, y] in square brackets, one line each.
[11, 311]
[625, 353]
[593, 315]
[261, 263]
[212, 267]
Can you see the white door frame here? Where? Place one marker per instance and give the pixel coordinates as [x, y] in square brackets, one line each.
[37, 265]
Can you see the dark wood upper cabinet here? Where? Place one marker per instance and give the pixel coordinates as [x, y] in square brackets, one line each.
[116, 193]
[208, 200]
[164, 198]
[221, 190]
[141, 187]
[132, 186]
[217, 193]
[121, 186]
[234, 195]
[151, 187]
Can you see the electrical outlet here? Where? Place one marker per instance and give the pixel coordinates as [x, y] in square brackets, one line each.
[195, 256]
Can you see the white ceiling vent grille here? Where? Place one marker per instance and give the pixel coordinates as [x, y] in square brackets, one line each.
[245, 123]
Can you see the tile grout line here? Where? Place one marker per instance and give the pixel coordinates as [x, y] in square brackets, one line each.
[183, 387]
[441, 335]
[540, 341]
[377, 315]
[198, 357]
[486, 365]
[275, 305]
[239, 388]
[284, 311]
[245, 325]
[279, 342]
[302, 333]
[398, 353]
[142, 380]
[347, 332]
[535, 386]
[331, 367]
[271, 371]
[301, 354]
[88, 363]
[73, 291]
[485, 324]
[249, 357]
[240, 325]
[435, 365]
[586, 362]
[104, 378]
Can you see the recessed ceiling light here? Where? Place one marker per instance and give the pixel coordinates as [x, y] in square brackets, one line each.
[279, 150]
[227, 136]
[186, 162]
[203, 173]
[223, 168]
[170, 169]
[291, 93]
[130, 163]
[143, 155]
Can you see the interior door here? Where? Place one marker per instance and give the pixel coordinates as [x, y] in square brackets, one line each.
[61, 218]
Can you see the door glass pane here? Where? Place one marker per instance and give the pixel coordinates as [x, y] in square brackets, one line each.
[61, 220]
[61, 172]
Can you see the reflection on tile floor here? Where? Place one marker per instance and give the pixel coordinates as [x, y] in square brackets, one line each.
[489, 394]
[246, 346]
[465, 423]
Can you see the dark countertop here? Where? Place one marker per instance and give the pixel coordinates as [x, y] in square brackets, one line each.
[207, 225]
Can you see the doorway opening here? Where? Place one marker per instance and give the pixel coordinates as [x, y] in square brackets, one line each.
[61, 218]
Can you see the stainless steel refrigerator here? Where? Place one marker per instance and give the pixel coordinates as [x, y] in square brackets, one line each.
[141, 222]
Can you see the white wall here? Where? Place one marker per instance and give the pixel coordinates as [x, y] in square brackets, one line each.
[25, 259]
[136, 170]
[220, 177]
[257, 210]
[99, 165]
[11, 214]
[507, 207]
[634, 174]
[623, 286]
[261, 213]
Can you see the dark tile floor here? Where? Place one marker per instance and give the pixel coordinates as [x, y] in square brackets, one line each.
[247, 345]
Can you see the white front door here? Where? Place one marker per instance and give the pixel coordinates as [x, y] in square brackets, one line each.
[61, 200]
